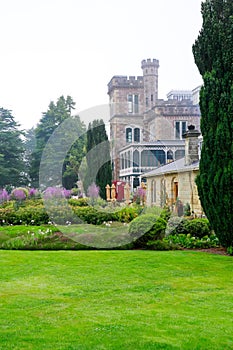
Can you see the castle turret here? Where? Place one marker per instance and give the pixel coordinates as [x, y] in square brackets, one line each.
[150, 79]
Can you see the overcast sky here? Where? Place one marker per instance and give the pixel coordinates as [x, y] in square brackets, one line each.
[51, 48]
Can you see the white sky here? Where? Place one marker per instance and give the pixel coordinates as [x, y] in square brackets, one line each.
[51, 48]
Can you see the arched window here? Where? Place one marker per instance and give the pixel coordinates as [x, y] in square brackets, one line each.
[136, 135]
[174, 189]
[128, 134]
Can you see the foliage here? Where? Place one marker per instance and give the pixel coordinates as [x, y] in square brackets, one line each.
[189, 241]
[230, 250]
[140, 196]
[40, 238]
[56, 192]
[196, 227]
[11, 151]
[75, 157]
[93, 193]
[176, 225]
[213, 53]
[161, 245]
[19, 194]
[33, 193]
[78, 202]
[56, 114]
[91, 215]
[24, 216]
[165, 214]
[147, 227]
[187, 209]
[127, 214]
[4, 196]
[98, 157]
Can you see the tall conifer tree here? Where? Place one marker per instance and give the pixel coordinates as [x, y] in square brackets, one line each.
[12, 167]
[213, 53]
[98, 157]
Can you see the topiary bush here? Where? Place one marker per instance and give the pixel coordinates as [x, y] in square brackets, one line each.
[197, 227]
[146, 227]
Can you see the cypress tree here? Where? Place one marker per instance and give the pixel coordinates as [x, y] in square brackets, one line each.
[98, 157]
[213, 54]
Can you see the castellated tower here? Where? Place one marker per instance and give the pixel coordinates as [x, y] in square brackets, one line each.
[150, 82]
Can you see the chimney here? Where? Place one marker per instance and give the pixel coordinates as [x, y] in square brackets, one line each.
[191, 145]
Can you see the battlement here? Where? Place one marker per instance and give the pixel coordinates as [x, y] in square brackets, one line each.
[150, 63]
[122, 81]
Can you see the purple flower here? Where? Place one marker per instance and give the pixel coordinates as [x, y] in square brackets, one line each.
[56, 192]
[33, 192]
[141, 192]
[66, 193]
[93, 191]
[4, 196]
[18, 194]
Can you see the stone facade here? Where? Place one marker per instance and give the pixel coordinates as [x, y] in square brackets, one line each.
[137, 116]
[167, 184]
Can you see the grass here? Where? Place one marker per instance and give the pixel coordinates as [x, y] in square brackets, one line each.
[71, 300]
[80, 236]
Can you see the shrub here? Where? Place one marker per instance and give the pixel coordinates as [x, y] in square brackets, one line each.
[91, 215]
[24, 216]
[197, 227]
[4, 196]
[165, 214]
[56, 192]
[194, 227]
[187, 209]
[188, 241]
[127, 214]
[176, 225]
[19, 194]
[79, 202]
[147, 227]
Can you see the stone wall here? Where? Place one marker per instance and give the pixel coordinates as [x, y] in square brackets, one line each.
[163, 185]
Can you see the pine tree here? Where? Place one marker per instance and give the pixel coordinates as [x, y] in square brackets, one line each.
[98, 157]
[56, 114]
[213, 53]
[11, 151]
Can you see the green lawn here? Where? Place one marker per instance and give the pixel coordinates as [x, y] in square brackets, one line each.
[92, 300]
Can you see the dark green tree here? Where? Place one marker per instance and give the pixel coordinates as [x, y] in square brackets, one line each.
[98, 157]
[75, 156]
[213, 54]
[56, 114]
[11, 151]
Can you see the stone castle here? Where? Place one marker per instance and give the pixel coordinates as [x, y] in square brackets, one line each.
[145, 131]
